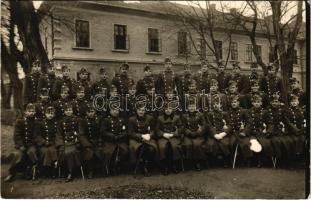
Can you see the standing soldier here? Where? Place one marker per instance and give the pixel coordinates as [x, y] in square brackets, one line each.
[191, 95]
[295, 89]
[220, 130]
[129, 101]
[206, 99]
[116, 137]
[166, 80]
[296, 121]
[68, 147]
[92, 141]
[65, 80]
[238, 78]
[47, 80]
[194, 130]
[147, 82]
[231, 92]
[142, 144]
[183, 81]
[121, 80]
[203, 79]
[42, 103]
[31, 84]
[169, 133]
[83, 79]
[46, 132]
[80, 102]
[272, 84]
[221, 77]
[61, 103]
[24, 140]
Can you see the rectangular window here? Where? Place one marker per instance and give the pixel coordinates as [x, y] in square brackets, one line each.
[218, 48]
[120, 37]
[249, 52]
[234, 51]
[154, 43]
[182, 43]
[202, 48]
[82, 34]
[295, 61]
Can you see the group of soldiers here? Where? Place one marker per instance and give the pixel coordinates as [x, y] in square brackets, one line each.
[166, 120]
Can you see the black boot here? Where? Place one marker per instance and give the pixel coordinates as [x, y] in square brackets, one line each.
[69, 177]
[145, 169]
[164, 167]
[197, 166]
[174, 167]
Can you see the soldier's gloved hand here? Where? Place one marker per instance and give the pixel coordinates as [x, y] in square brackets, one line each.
[217, 136]
[22, 148]
[242, 134]
[166, 135]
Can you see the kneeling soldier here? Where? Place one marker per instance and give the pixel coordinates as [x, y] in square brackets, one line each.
[142, 145]
[46, 140]
[69, 147]
[194, 135]
[91, 140]
[24, 144]
[169, 130]
[115, 133]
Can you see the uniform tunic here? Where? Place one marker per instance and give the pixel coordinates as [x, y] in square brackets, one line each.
[122, 82]
[30, 89]
[46, 81]
[166, 82]
[203, 82]
[146, 83]
[59, 82]
[169, 124]
[137, 126]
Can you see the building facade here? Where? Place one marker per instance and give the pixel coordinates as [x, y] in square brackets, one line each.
[92, 34]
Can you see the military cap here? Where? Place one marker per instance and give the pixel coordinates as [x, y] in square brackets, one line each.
[65, 67]
[236, 65]
[125, 66]
[83, 71]
[102, 70]
[64, 89]
[293, 97]
[254, 66]
[147, 68]
[253, 75]
[80, 88]
[216, 99]
[214, 82]
[44, 91]
[256, 97]
[30, 106]
[271, 66]
[276, 96]
[232, 83]
[167, 59]
[203, 62]
[293, 80]
[67, 106]
[50, 109]
[254, 82]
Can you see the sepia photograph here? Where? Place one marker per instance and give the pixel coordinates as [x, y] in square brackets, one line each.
[159, 99]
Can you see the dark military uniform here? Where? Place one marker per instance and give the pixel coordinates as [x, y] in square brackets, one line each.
[218, 123]
[69, 145]
[222, 79]
[100, 87]
[59, 82]
[121, 81]
[41, 107]
[272, 84]
[60, 105]
[144, 84]
[241, 80]
[116, 139]
[92, 141]
[24, 140]
[30, 89]
[203, 82]
[138, 126]
[46, 81]
[169, 124]
[182, 83]
[166, 82]
[194, 135]
[79, 107]
[296, 124]
[246, 100]
[46, 131]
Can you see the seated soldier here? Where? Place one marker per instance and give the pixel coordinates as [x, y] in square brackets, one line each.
[116, 139]
[24, 140]
[219, 142]
[169, 130]
[194, 130]
[91, 140]
[67, 133]
[46, 131]
[142, 145]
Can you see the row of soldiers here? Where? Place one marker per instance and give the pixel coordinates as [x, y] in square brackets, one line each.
[62, 127]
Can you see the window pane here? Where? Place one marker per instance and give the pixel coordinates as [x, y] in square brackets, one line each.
[120, 37]
[153, 40]
[218, 48]
[82, 33]
[234, 51]
[182, 43]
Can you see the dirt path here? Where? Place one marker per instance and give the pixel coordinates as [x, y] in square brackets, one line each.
[213, 183]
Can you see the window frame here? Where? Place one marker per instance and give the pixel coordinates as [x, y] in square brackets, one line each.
[252, 53]
[149, 40]
[237, 51]
[186, 44]
[127, 45]
[221, 42]
[75, 35]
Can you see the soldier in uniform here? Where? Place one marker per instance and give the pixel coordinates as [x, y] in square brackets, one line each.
[64, 80]
[101, 87]
[83, 79]
[24, 141]
[68, 147]
[206, 99]
[183, 81]
[47, 80]
[147, 82]
[296, 122]
[121, 80]
[238, 78]
[194, 135]
[203, 78]
[46, 131]
[92, 141]
[219, 129]
[43, 102]
[116, 139]
[166, 80]
[232, 91]
[142, 144]
[272, 84]
[240, 127]
[31, 84]
[295, 89]
[221, 77]
[191, 95]
[80, 102]
[282, 144]
[61, 103]
[169, 132]
[258, 131]
[129, 101]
